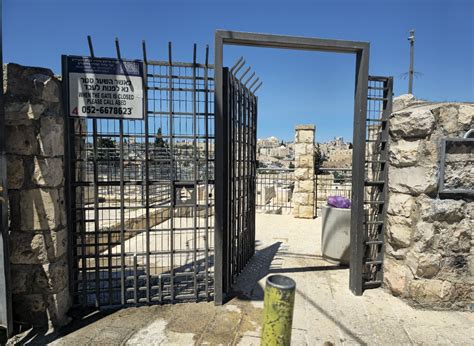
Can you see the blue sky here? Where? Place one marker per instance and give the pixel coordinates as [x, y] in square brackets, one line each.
[299, 87]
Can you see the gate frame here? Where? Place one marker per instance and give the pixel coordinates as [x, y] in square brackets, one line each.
[6, 320]
[357, 236]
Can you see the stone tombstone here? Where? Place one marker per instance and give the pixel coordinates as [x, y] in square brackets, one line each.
[304, 192]
[35, 168]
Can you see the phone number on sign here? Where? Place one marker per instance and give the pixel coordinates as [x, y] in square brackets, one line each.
[106, 110]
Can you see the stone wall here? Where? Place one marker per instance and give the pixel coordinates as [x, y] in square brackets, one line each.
[429, 252]
[35, 166]
[303, 195]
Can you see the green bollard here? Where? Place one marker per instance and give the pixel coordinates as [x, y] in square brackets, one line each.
[278, 307]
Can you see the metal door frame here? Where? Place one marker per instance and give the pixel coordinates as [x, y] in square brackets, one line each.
[5, 290]
[361, 50]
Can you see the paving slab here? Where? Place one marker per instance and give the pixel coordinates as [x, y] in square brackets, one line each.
[326, 312]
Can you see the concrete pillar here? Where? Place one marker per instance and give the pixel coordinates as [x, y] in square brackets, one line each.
[304, 193]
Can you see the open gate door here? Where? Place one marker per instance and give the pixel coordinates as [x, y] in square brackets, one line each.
[379, 108]
[238, 162]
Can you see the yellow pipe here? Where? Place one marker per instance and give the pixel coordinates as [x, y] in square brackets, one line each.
[278, 307]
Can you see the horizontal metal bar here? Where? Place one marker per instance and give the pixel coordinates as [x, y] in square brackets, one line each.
[178, 64]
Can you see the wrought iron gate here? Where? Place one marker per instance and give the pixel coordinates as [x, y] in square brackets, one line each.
[239, 164]
[379, 108]
[141, 194]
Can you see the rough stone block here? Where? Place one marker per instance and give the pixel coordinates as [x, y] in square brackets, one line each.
[447, 210]
[447, 118]
[428, 265]
[21, 140]
[15, 172]
[51, 138]
[22, 112]
[30, 309]
[395, 276]
[404, 153]
[58, 306]
[304, 186]
[48, 172]
[413, 180]
[415, 123]
[466, 116]
[402, 101]
[28, 248]
[53, 277]
[305, 212]
[303, 198]
[304, 173]
[304, 136]
[400, 204]
[305, 161]
[39, 209]
[424, 236]
[300, 149]
[399, 235]
[431, 292]
[51, 90]
[25, 80]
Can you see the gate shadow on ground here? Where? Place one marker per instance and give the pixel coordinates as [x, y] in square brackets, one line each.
[247, 287]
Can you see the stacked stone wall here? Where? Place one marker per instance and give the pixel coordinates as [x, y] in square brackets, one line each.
[35, 166]
[430, 250]
[303, 195]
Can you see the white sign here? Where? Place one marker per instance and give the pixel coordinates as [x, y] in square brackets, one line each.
[105, 88]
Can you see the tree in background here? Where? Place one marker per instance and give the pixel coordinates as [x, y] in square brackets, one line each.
[159, 142]
[107, 149]
[319, 158]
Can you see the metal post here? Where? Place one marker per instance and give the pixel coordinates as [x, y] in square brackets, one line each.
[5, 290]
[412, 58]
[278, 306]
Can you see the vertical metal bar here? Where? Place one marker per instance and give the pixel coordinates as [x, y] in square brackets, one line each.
[122, 212]
[233, 145]
[69, 166]
[147, 173]
[135, 279]
[221, 175]
[411, 71]
[91, 47]
[206, 173]
[96, 213]
[122, 194]
[6, 320]
[358, 172]
[172, 178]
[387, 110]
[195, 177]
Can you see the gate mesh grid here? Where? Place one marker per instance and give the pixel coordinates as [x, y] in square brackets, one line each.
[378, 111]
[242, 122]
[142, 195]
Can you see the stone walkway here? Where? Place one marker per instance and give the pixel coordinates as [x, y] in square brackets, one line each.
[325, 310]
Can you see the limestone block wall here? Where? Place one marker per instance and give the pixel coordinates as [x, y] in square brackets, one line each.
[303, 194]
[430, 249]
[35, 166]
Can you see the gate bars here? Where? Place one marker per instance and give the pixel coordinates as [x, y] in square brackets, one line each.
[242, 169]
[141, 193]
[379, 108]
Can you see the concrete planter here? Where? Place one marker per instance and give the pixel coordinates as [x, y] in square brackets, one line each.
[335, 238]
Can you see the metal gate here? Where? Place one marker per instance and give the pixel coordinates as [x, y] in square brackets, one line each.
[140, 193]
[239, 167]
[5, 292]
[379, 108]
